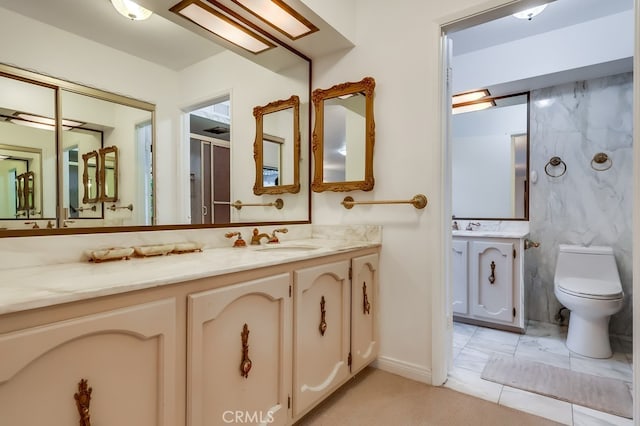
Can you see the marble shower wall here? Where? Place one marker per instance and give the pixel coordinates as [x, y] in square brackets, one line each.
[575, 121]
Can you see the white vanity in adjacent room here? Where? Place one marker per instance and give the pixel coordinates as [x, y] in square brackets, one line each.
[487, 277]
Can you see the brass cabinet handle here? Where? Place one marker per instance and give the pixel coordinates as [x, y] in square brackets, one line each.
[366, 306]
[492, 277]
[83, 400]
[323, 313]
[245, 365]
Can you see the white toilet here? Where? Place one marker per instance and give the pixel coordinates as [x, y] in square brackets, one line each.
[588, 284]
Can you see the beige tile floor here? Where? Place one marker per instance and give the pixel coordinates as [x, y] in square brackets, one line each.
[473, 345]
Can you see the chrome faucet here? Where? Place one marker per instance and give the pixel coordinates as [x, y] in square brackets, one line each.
[35, 224]
[255, 238]
[455, 226]
[470, 226]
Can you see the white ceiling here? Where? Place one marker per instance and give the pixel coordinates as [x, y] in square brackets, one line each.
[166, 38]
[558, 14]
[156, 39]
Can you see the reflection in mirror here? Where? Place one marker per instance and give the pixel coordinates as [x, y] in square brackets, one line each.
[277, 147]
[26, 123]
[490, 150]
[109, 174]
[127, 132]
[210, 162]
[344, 135]
[90, 178]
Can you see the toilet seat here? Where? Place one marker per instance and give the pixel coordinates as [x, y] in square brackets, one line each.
[591, 288]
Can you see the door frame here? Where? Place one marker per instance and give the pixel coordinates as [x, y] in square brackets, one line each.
[442, 320]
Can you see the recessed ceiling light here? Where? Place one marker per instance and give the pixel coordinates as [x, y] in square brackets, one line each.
[221, 25]
[469, 96]
[478, 106]
[280, 16]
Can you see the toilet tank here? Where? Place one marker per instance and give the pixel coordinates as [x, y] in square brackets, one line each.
[595, 262]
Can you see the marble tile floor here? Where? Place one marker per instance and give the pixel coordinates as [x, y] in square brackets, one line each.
[473, 345]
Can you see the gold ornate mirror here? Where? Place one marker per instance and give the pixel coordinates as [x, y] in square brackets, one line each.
[276, 149]
[90, 179]
[343, 137]
[109, 174]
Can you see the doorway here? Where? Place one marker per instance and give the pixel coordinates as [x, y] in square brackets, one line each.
[619, 74]
[210, 162]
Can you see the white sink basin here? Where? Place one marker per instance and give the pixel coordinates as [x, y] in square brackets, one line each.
[279, 248]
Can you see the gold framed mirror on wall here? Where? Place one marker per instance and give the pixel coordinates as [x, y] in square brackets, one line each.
[276, 148]
[344, 137]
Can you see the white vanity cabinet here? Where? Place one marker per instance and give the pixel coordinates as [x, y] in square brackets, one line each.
[488, 286]
[254, 346]
[126, 358]
[239, 353]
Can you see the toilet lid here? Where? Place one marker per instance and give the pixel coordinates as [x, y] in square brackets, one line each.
[589, 287]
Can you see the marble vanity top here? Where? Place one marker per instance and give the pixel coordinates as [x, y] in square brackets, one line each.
[40, 286]
[490, 234]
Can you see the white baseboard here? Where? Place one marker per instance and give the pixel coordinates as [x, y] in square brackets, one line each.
[403, 368]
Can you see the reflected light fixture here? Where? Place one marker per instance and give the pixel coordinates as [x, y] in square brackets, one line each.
[469, 96]
[221, 25]
[477, 106]
[131, 10]
[280, 16]
[530, 13]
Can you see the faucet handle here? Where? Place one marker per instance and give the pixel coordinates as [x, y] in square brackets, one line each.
[34, 223]
[274, 239]
[239, 242]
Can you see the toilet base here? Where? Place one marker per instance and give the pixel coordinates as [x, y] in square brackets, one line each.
[589, 336]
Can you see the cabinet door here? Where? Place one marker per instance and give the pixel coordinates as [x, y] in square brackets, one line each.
[492, 280]
[321, 334]
[228, 328]
[126, 356]
[364, 305]
[460, 277]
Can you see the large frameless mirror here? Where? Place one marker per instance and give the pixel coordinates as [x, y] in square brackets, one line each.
[154, 154]
[344, 136]
[490, 149]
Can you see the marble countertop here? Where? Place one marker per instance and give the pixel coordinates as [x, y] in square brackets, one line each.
[36, 287]
[490, 234]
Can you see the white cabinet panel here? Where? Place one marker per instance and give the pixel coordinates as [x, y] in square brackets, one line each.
[219, 344]
[364, 302]
[321, 334]
[126, 355]
[492, 280]
[460, 276]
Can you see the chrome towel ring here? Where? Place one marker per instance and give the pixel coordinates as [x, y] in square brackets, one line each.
[601, 162]
[555, 162]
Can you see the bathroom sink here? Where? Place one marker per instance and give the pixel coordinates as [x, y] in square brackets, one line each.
[292, 249]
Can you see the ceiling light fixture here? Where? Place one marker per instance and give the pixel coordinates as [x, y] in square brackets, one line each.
[280, 16]
[530, 13]
[131, 10]
[4, 157]
[46, 120]
[221, 25]
[476, 106]
[469, 96]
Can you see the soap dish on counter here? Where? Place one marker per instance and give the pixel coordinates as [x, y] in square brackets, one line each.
[113, 253]
[188, 247]
[153, 250]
